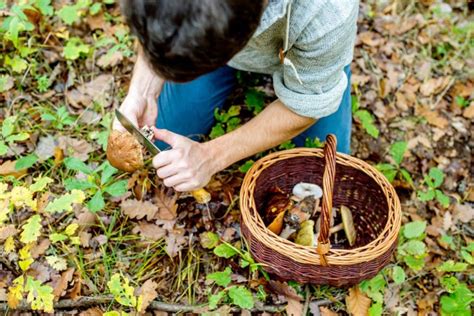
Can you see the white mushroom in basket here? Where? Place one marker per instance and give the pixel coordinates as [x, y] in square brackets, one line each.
[303, 189]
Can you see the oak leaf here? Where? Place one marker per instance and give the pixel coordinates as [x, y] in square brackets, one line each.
[149, 231]
[324, 311]
[167, 205]
[139, 209]
[357, 303]
[148, 293]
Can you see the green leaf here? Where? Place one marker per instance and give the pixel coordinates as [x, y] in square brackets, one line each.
[246, 166]
[97, 202]
[451, 266]
[398, 275]
[376, 309]
[426, 196]
[118, 188]
[75, 164]
[8, 126]
[255, 100]
[406, 175]
[397, 150]
[374, 288]
[45, 7]
[69, 14]
[457, 303]
[40, 184]
[57, 263]
[241, 297]
[95, 8]
[367, 121]
[389, 171]
[224, 251]
[56, 237]
[17, 64]
[75, 48]
[414, 229]
[449, 283]
[414, 247]
[26, 162]
[442, 198]
[17, 137]
[209, 240]
[215, 299]
[107, 173]
[65, 202]
[3, 148]
[31, 230]
[415, 263]
[39, 296]
[222, 278]
[6, 83]
[467, 257]
[437, 175]
[75, 184]
[217, 131]
[122, 291]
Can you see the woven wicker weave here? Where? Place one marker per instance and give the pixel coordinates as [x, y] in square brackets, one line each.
[347, 181]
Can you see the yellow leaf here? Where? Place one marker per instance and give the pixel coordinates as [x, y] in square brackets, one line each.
[15, 293]
[25, 252]
[357, 302]
[9, 245]
[21, 196]
[71, 229]
[25, 264]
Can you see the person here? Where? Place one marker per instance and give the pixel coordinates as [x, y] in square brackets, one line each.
[189, 53]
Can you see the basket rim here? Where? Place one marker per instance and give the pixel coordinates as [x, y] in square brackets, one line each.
[305, 254]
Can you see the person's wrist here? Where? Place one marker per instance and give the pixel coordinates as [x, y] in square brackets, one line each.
[215, 156]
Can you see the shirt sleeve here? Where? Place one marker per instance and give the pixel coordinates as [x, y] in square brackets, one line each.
[319, 64]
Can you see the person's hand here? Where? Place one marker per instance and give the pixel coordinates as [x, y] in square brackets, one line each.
[188, 166]
[140, 110]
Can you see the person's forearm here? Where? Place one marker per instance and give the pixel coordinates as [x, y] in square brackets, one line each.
[271, 127]
[145, 82]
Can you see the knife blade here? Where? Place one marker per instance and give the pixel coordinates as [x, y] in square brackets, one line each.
[142, 139]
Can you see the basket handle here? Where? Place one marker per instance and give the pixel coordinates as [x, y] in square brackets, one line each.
[326, 205]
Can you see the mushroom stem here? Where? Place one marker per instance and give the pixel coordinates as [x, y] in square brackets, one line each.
[336, 228]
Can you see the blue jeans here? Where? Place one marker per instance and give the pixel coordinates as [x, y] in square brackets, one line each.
[188, 109]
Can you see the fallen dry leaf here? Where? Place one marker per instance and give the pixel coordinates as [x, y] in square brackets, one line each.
[434, 118]
[8, 169]
[463, 213]
[93, 311]
[139, 209]
[73, 147]
[110, 60]
[45, 147]
[294, 307]
[40, 248]
[324, 311]
[469, 111]
[149, 231]
[357, 303]
[62, 284]
[434, 85]
[175, 241]
[7, 231]
[148, 293]
[167, 204]
[98, 91]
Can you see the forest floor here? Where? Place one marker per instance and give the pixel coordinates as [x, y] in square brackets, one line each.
[80, 235]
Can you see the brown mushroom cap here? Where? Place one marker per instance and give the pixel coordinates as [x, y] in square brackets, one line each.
[124, 152]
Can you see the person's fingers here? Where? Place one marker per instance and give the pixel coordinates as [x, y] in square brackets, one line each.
[187, 186]
[168, 171]
[167, 136]
[164, 158]
[175, 180]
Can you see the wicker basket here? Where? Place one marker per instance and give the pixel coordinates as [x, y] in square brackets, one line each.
[373, 202]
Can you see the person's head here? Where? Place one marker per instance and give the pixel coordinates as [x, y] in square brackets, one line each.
[183, 39]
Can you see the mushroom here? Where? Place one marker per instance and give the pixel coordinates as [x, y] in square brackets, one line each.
[348, 223]
[201, 196]
[277, 202]
[277, 225]
[305, 236]
[124, 152]
[303, 189]
[287, 231]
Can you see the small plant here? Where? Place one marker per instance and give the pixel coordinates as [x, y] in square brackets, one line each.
[58, 119]
[462, 102]
[394, 170]
[246, 166]
[434, 180]
[411, 248]
[102, 136]
[75, 48]
[255, 100]
[365, 118]
[97, 182]
[227, 121]
[43, 83]
[375, 289]
[313, 143]
[458, 301]
[8, 135]
[287, 145]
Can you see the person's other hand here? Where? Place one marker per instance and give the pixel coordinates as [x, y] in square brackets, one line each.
[188, 166]
[140, 110]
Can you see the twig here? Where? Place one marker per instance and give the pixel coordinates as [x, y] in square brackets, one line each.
[306, 302]
[87, 301]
